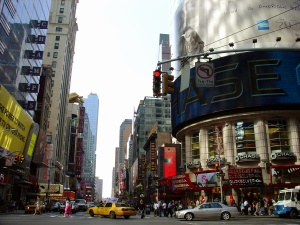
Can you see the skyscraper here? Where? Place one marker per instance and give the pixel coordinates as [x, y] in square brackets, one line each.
[91, 104]
[59, 52]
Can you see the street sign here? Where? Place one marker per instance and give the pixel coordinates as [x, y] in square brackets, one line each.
[205, 75]
[220, 174]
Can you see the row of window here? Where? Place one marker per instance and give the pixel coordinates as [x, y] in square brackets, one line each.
[278, 138]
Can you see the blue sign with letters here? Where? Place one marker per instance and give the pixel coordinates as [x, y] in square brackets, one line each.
[248, 80]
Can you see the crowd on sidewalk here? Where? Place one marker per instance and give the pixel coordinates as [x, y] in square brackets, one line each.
[259, 207]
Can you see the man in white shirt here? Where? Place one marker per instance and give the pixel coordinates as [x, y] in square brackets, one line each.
[246, 206]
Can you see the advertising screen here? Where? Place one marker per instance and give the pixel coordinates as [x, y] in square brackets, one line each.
[242, 81]
[169, 161]
[15, 123]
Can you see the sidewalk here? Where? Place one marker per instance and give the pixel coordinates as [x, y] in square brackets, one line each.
[13, 212]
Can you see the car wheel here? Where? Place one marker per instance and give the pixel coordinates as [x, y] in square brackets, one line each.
[112, 215]
[91, 213]
[225, 216]
[293, 214]
[126, 217]
[189, 216]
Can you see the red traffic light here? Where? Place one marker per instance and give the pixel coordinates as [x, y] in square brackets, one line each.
[157, 73]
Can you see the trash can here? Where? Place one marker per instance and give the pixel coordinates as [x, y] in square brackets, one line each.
[147, 209]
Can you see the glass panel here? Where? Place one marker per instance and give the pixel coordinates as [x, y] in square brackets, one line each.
[278, 136]
[245, 138]
[215, 141]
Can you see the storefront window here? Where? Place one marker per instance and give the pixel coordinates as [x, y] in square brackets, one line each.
[215, 141]
[195, 150]
[278, 136]
[245, 138]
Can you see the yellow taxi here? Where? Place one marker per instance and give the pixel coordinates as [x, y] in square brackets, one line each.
[30, 207]
[112, 209]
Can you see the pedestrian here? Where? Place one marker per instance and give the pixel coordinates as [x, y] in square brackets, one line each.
[142, 209]
[246, 206]
[155, 207]
[242, 208]
[160, 208]
[170, 209]
[165, 209]
[68, 208]
[38, 207]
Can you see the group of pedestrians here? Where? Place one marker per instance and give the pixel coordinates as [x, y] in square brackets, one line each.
[162, 208]
[259, 207]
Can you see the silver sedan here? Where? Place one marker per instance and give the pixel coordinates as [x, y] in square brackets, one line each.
[208, 210]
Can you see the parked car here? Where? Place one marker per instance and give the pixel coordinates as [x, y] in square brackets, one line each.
[30, 207]
[55, 207]
[208, 210]
[112, 209]
[63, 204]
[81, 204]
[90, 204]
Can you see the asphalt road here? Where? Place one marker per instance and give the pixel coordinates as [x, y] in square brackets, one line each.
[82, 218]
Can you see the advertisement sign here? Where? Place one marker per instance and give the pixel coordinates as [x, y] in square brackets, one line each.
[202, 25]
[169, 161]
[283, 175]
[153, 155]
[245, 177]
[206, 179]
[15, 123]
[247, 80]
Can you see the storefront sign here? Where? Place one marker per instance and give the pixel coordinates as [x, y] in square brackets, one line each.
[194, 164]
[250, 177]
[246, 158]
[282, 155]
[212, 161]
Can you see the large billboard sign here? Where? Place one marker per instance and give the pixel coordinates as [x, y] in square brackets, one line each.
[203, 24]
[15, 124]
[261, 80]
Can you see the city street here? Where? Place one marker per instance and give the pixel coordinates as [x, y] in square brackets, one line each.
[83, 218]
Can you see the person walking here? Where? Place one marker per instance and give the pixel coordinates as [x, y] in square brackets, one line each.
[170, 209]
[142, 209]
[165, 209]
[68, 208]
[38, 207]
[155, 207]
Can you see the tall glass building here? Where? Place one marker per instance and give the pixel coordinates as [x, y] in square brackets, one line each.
[23, 28]
[91, 104]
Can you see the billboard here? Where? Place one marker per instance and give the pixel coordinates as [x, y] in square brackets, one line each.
[15, 123]
[266, 79]
[169, 161]
[203, 24]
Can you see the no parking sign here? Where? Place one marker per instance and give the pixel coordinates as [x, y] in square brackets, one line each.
[205, 75]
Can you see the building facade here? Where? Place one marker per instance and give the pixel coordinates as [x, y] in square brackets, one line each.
[59, 53]
[243, 123]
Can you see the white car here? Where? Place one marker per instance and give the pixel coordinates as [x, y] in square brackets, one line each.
[208, 210]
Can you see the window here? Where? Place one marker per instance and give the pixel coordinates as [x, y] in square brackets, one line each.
[215, 141]
[56, 45]
[61, 10]
[57, 38]
[195, 147]
[62, 2]
[54, 64]
[60, 19]
[53, 73]
[55, 54]
[278, 136]
[245, 138]
[48, 54]
[58, 29]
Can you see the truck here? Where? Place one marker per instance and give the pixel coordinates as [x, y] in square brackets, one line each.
[288, 204]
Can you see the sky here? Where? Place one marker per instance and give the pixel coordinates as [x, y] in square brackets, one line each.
[116, 52]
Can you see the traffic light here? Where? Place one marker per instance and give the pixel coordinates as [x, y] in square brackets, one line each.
[167, 84]
[217, 167]
[17, 159]
[156, 83]
[21, 158]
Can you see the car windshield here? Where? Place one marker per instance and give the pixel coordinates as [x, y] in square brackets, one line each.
[81, 201]
[119, 204]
